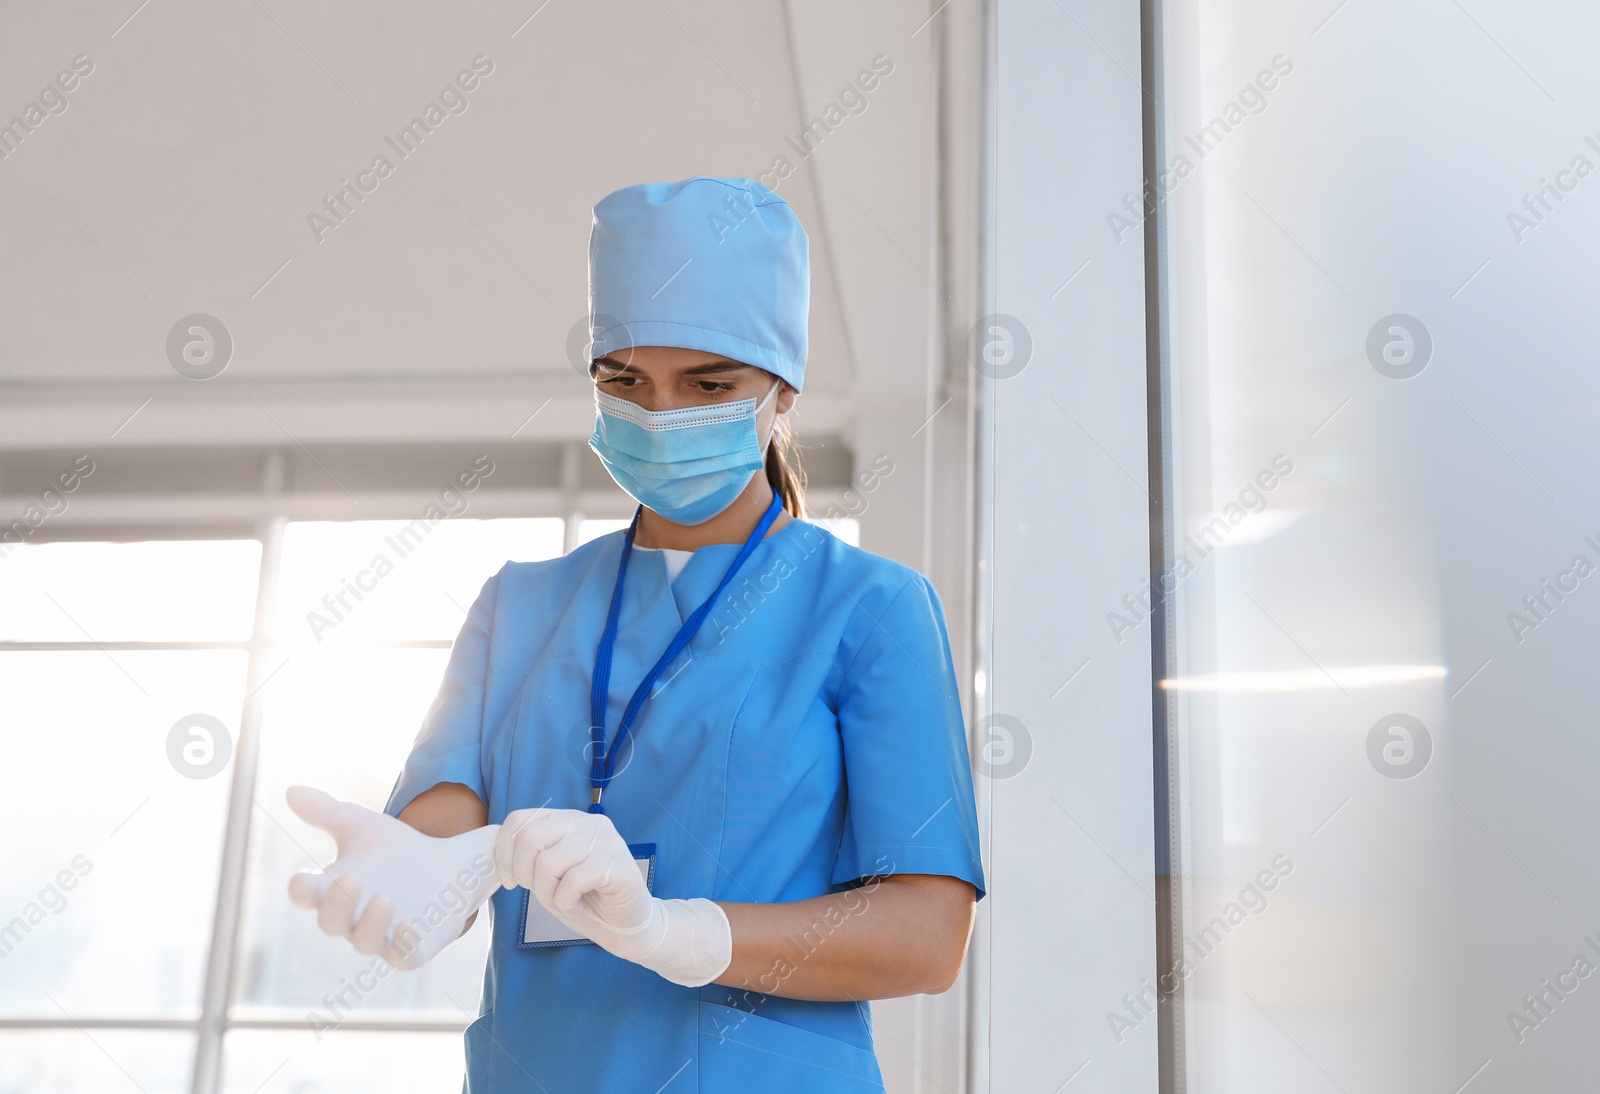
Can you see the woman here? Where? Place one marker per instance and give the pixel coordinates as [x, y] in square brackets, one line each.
[717, 760]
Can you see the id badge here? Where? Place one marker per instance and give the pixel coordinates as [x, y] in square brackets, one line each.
[538, 928]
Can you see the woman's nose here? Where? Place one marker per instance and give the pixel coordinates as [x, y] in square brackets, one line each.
[667, 400]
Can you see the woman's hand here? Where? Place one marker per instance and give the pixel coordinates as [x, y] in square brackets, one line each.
[576, 865]
[581, 871]
[392, 891]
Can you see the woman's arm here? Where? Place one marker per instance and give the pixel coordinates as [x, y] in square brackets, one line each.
[445, 810]
[903, 934]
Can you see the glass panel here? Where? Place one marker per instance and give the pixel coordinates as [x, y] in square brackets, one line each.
[180, 590]
[341, 1062]
[1383, 730]
[342, 720]
[72, 1061]
[593, 529]
[395, 580]
[110, 878]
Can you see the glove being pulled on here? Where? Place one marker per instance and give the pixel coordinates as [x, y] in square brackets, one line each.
[580, 870]
[392, 891]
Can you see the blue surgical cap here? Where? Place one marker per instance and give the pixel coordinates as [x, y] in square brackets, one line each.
[720, 265]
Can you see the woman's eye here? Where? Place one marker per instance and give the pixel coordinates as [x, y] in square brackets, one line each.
[713, 387]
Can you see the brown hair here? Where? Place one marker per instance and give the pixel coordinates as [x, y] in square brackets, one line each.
[784, 473]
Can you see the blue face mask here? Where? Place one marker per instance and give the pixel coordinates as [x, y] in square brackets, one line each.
[687, 464]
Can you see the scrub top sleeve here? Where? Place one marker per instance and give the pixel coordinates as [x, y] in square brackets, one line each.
[908, 774]
[448, 748]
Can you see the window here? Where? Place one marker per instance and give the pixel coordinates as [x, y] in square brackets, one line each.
[129, 669]
[107, 648]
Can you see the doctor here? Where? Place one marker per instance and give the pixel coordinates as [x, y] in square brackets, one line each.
[711, 772]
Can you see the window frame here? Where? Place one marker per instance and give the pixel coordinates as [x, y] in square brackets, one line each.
[215, 1018]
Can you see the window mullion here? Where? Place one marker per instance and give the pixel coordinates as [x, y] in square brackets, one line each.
[220, 962]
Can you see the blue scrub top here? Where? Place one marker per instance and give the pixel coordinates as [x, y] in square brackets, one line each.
[809, 738]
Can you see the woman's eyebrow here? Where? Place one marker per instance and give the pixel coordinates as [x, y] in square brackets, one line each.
[715, 366]
[696, 370]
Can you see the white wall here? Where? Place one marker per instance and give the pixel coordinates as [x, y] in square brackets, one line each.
[1070, 927]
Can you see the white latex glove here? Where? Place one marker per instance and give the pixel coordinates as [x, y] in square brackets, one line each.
[581, 871]
[392, 891]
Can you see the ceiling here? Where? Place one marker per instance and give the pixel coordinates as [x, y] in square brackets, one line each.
[181, 176]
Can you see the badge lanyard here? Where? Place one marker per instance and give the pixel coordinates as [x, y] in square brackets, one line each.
[603, 760]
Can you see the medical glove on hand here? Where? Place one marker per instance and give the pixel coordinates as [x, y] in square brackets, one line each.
[392, 891]
[580, 870]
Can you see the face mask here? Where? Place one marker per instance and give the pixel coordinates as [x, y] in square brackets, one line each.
[687, 464]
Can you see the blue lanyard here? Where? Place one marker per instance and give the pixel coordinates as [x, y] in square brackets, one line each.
[603, 760]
